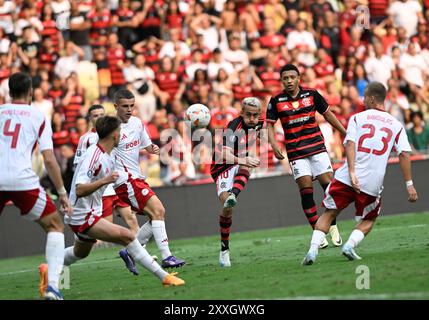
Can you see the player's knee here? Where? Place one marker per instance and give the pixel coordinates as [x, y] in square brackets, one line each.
[126, 236]
[52, 223]
[159, 213]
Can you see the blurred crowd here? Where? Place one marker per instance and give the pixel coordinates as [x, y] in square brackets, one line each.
[216, 52]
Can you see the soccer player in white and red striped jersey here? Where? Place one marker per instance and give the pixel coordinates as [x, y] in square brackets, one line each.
[22, 127]
[371, 136]
[94, 173]
[131, 187]
[111, 201]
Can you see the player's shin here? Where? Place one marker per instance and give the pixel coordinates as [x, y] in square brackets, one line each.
[141, 256]
[309, 206]
[54, 257]
[225, 223]
[240, 181]
[161, 239]
[316, 240]
[145, 233]
[69, 256]
[355, 238]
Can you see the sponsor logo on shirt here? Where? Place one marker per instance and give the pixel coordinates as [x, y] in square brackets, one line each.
[302, 119]
[132, 144]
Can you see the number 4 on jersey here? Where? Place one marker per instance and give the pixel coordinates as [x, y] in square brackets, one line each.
[12, 133]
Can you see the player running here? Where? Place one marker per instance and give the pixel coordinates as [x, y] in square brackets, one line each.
[371, 136]
[231, 166]
[296, 108]
[131, 187]
[21, 128]
[110, 199]
[94, 172]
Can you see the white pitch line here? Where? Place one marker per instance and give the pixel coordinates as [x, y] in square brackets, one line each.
[75, 265]
[375, 296]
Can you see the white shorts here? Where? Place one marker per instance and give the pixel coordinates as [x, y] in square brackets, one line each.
[225, 180]
[312, 166]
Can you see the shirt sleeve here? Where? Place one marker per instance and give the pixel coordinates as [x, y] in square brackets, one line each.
[45, 136]
[86, 168]
[351, 130]
[145, 140]
[401, 142]
[320, 103]
[272, 114]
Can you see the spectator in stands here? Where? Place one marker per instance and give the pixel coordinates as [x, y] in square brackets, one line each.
[418, 134]
[379, 67]
[44, 105]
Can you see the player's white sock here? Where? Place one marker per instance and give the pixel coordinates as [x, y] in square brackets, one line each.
[54, 257]
[69, 256]
[355, 238]
[316, 240]
[161, 239]
[141, 256]
[145, 233]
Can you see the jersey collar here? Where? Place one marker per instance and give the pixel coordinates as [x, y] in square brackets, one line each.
[101, 148]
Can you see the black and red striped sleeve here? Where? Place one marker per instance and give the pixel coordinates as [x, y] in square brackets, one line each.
[272, 114]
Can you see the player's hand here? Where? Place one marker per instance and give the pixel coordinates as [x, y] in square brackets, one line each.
[155, 149]
[355, 182]
[66, 207]
[412, 194]
[252, 162]
[112, 177]
[278, 153]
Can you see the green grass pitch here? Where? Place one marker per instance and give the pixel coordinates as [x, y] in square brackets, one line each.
[266, 265]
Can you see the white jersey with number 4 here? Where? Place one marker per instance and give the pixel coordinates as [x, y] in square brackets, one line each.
[85, 142]
[374, 133]
[133, 138]
[95, 165]
[21, 127]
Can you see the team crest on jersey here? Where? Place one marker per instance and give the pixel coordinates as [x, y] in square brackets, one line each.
[306, 102]
[90, 173]
[295, 104]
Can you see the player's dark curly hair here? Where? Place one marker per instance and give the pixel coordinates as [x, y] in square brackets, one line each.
[20, 85]
[106, 125]
[289, 67]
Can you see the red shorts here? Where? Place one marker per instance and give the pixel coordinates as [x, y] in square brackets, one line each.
[80, 235]
[136, 193]
[34, 204]
[339, 195]
[80, 230]
[110, 203]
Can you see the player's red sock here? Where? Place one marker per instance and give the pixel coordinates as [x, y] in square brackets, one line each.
[240, 181]
[225, 229]
[309, 206]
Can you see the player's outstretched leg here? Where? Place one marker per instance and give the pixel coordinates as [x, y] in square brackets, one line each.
[106, 231]
[50, 274]
[156, 211]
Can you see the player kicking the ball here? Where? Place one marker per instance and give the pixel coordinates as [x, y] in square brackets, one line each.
[94, 172]
[231, 166]
[131, 188]
[371, 136]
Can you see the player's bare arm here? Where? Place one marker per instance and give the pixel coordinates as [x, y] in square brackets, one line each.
[272, 140]
[405, 163]
[351, 156]
[153, 149]
[85, 189]
[333, 121]
[54, 173]
[229, 157]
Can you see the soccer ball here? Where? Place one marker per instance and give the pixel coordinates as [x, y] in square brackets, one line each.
[198, 115]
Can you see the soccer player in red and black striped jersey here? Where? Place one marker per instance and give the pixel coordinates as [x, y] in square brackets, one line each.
[231, 165]
[296, 107]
